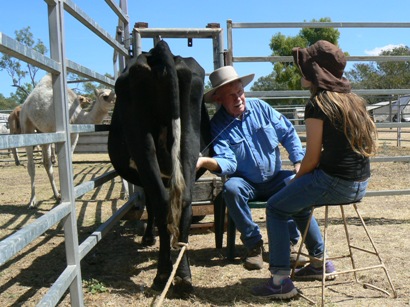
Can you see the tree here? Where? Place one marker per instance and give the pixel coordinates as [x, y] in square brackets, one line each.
[84, 87]
[18, 70]
[382, 74]
[7, 103]
[286, 76]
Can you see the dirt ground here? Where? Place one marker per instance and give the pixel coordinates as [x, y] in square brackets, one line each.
[119, 271]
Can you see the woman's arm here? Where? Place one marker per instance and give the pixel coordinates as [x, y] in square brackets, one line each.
[314, 138]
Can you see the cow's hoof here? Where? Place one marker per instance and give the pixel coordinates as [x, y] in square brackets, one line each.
[183, 287]
[148, 241]
[159, 282]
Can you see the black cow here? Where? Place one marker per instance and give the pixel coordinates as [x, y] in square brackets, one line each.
[158, 128]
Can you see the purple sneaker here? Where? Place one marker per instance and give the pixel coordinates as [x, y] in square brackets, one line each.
[311, 273]
[284, 291]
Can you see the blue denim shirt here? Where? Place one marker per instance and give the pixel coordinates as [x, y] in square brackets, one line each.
[248, 148]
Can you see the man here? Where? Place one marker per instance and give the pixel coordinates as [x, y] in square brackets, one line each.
[246, 137]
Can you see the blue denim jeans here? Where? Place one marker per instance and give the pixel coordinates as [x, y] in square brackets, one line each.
[295, 201]
[237, 192]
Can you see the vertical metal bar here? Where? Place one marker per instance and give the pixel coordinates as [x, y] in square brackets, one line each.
[399, 115]
[229, 55]
[219, 49]
[57, 52]
[136, 42]
[123, 37]
[126, 35]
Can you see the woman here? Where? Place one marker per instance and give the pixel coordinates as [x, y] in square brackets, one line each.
[340, 137]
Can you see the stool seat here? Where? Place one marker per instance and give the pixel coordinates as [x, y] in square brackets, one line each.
[350, 248]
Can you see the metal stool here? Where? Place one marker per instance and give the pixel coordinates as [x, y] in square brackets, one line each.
[351, 247]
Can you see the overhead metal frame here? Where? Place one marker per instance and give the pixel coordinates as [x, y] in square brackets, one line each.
[213, 32]
[231, 58]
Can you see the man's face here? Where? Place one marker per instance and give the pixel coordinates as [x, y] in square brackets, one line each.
[232, 97]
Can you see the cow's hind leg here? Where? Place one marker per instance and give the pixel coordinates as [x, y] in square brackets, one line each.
[148, 239]
[164, 268]
[183, 280]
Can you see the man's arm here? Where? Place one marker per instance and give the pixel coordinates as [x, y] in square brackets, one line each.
[209, 163]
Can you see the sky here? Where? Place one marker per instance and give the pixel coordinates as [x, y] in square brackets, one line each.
[83, 47]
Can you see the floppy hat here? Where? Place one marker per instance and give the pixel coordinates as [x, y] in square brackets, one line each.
[323, 64]
[222, 76]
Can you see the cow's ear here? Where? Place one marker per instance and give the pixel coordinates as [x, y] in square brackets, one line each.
[96, 92]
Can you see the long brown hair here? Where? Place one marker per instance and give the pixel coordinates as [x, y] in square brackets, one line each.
[349, 111]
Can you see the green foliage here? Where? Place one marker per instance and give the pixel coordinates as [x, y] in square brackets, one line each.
[208, 86]
[382, 75]
[94, 286]
[286, 76]
[84, 87]
[312, 35]
[18, 70]
[7, 103]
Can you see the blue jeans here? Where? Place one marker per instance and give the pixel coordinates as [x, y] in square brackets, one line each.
[295, 201]
[237, 192]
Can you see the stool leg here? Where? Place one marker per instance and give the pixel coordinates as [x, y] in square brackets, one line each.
[348, 242]
[230, 239]
[376, 251]
[219, 219]
[302, 243]
[324, 255]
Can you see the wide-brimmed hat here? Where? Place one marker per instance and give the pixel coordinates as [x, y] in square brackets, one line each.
[222, 76]
[323, 64]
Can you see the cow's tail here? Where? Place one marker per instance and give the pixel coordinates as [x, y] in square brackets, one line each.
[177, 185]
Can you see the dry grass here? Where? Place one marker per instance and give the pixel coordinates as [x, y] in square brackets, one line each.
[119, 272]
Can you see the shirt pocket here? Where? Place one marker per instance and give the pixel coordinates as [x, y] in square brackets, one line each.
[267, 137]
[237, 145]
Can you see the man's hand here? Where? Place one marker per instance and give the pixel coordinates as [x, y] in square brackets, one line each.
[208, 163]
[296, 167]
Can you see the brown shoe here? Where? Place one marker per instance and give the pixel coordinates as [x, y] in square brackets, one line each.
[293, 255]
[253, 260]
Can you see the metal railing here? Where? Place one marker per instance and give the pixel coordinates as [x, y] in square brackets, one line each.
[58, 65]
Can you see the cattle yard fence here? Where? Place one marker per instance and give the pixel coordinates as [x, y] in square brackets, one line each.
[58, 65]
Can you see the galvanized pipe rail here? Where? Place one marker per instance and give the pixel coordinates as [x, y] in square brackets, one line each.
[231, 58]
[58, 65]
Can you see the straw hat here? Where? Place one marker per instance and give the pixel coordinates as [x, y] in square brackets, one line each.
[222, 76]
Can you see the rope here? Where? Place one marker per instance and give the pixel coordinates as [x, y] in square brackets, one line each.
[171, 277]
[210, 143]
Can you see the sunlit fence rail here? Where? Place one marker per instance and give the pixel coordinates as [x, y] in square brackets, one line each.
[58, 65]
